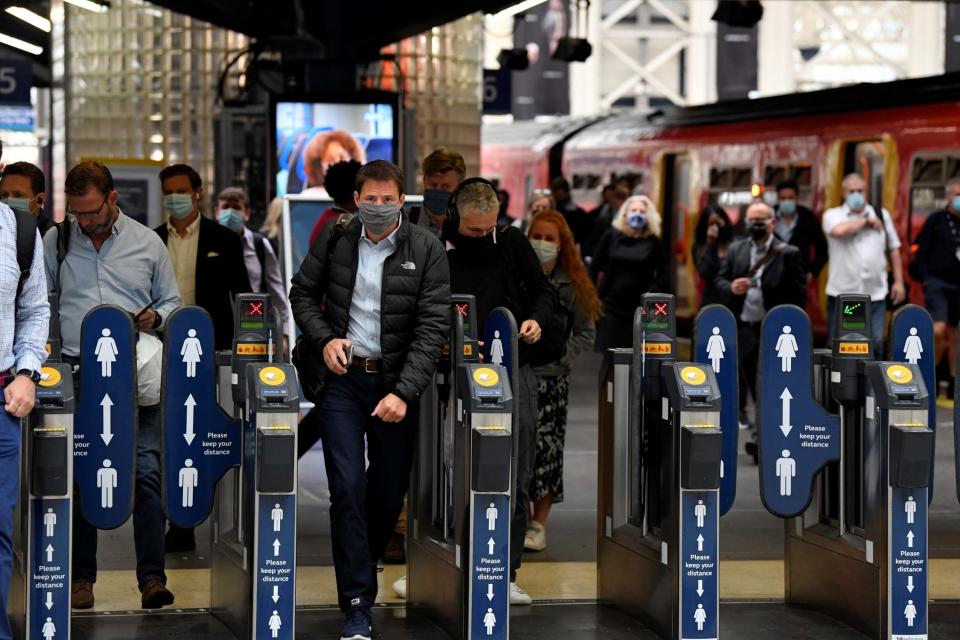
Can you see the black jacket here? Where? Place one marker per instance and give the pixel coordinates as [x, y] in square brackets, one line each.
[707, 260]
[809, 239]
[936, 249]
[220, 275]
[505, 273]
[414, 302]
[784, 279]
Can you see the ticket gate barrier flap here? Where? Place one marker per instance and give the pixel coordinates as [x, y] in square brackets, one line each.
[910, 329]
[797, 437]
[715, 343]
[105, 428]
[502, 347]
[40, 585]
[200, 441]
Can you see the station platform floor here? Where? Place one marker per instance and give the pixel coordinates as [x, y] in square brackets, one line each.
[561, 579]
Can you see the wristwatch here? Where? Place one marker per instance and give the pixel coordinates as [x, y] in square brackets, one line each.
[30, 373]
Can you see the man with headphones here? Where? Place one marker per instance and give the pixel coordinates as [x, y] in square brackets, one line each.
[497, 265]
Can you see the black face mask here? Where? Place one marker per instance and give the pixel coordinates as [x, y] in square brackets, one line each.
[758, 230]
[466, 244]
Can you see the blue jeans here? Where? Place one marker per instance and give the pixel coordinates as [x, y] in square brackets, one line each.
[878, 317]
[148, 515]
[365, 501]
[10, 432]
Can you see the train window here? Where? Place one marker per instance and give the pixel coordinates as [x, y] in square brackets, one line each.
[799, 173]
[929, 175]
[730, 187]
[867, 158]
[586, 181]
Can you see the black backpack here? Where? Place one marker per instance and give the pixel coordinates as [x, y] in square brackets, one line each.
[26, 243]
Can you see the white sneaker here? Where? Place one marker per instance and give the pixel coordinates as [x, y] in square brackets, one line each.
[536, 538]
[400, 587]
[518, 595]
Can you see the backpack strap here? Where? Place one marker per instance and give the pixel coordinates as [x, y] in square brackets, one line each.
[26, 243]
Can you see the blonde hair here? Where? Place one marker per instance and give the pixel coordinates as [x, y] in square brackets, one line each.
[271, 224]
[653, 216]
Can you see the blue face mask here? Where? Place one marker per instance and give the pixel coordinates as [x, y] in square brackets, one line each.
[788, 207]
[856, 201]
[231, 219]
[17, 204]
[178, 205]
[954, 204]
[436, 201]
[637, 221]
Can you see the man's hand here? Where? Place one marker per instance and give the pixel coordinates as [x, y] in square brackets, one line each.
[898, 292]
[874, 223]
[20, 396]
[145, 319]
[740, 286]
[390, 409]
[713, 232]
[335, 355]
[530, 331]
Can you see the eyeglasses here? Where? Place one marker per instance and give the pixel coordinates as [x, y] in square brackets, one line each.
[541, 192]
[77, 214]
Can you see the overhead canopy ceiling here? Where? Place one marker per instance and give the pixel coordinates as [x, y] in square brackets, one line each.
[337, 28]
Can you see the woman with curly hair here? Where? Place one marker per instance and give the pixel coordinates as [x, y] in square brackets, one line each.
[553, 243]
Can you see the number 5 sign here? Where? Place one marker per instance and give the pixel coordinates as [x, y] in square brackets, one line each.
[16, 76]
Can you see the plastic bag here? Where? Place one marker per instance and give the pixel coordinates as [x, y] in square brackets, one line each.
[149, 365]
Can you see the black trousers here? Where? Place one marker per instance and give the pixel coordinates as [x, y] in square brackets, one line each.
[748, 343]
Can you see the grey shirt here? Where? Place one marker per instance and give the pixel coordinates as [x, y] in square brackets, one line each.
[753, 302]
[363, 330]
[131, 269]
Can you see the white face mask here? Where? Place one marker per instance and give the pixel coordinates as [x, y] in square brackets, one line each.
[547, 251]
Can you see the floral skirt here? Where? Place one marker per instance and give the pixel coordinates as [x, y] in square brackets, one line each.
[552, 395]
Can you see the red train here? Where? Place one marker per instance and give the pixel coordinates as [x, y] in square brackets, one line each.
[904, 137]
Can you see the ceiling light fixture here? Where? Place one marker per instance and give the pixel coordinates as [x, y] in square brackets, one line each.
[520, 7]
[23, 45]
[90, 5]
[31, 18]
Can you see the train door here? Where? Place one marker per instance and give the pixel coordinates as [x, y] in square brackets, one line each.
[676, 214]
[868, 158]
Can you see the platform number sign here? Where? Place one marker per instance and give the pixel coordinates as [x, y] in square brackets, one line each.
[497, 90]
[16, 76]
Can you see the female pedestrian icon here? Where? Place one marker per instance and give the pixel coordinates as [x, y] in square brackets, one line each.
[106, 352]
[786, 349]
[716, 349]
[191, 352]
[913, 348]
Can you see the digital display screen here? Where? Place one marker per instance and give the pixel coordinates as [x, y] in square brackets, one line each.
[252, 316]
[463, 308]
[311, 136]
[656, 314]
[853, 316]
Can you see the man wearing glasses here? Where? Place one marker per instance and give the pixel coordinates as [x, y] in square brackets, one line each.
[113, 259]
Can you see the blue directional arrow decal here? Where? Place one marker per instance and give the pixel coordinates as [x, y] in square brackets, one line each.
[200, 442]
[797, 436]
[106, 419]
[715, 343]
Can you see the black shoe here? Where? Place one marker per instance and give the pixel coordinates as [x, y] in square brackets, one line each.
[179, 540]
[750, 446]
[396, 551]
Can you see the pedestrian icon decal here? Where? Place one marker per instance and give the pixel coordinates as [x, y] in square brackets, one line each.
[49, 630]
[700, 617]
[106, 482]
[496, 349]
[715, 349]
[275, 623]
[277, 516]
[913, 348]
[191, 351]
[910, 613]
[492, 517]
[910, 508]
[49, 522]
[786, 471]
[489, 621]
[106, 352]
[787, 349]
[700, 511]
[188, 480]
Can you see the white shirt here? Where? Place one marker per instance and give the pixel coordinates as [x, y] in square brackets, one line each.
[183, 258]
[363, 329]
[858, 264]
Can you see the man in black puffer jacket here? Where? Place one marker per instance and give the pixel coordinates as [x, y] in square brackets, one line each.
[376, 304]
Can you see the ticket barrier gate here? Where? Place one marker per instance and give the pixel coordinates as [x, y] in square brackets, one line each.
[40, 586]
[459, 508]
[852, 488]
[241, 468]
[660, 460]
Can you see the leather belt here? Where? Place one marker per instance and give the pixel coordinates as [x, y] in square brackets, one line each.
[368, 365]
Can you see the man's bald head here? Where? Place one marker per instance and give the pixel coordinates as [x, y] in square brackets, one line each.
[759, 219]
[759, 211]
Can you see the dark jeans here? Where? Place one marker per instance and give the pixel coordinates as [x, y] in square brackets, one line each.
[9, 493]
[526, 459]
[878, 316]
[148, 516]
[748, 343]
[364, 500]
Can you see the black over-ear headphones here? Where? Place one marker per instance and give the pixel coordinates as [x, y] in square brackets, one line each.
[453, 214]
